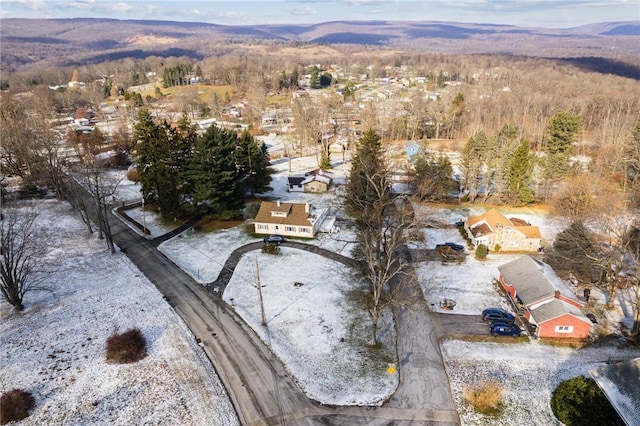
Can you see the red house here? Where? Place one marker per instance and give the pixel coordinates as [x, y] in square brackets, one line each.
[552, 313]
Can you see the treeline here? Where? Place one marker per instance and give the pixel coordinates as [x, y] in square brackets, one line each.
[182, 172]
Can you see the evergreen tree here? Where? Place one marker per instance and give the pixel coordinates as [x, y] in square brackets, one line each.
[574, 251]
[293, 80]
[314, 81]
[562, 131]
[472, 164]
[368, 179]
[213, 173]
[156, 169]
[252, 163]
[381, 229]
[432, 178]
[519, 175]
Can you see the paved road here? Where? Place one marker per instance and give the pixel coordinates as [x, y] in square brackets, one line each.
[261, 390]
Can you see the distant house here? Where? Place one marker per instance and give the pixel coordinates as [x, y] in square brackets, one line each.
[294, 183]
[412, 149]
[494, 229]
[289, 219]
[316, 181]
[552, 312]
[619, 382]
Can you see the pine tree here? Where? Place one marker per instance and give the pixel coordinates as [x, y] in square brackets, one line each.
[158, 170]
[432, 179]
[562, 131]
[314, 81]
[519, 175]
[213, 174]
[368, 179]
[252, 163]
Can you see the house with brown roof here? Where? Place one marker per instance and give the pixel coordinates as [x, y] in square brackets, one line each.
[551, 311]
[288, 219]
[495, 230]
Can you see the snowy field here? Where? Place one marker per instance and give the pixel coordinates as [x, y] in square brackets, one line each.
[528, 374]
[312, 327]
[55, 348]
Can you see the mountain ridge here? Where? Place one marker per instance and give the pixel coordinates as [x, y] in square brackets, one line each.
[27, 42]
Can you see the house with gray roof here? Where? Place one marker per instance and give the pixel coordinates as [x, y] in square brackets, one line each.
[551, 313]
[621, 385]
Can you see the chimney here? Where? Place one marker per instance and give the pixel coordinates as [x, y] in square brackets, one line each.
[307, 207]
[278, 202]
[557, 294]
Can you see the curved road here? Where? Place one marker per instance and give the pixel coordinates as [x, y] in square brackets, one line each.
[259, 387]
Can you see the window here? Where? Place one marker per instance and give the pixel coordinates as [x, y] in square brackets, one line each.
[564, 328]
[262, 227]
[290, 228]
[304, 230]
[278, 214]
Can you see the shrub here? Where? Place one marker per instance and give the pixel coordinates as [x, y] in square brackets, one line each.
[127, 347]
[579, 401]
[497, 248]
[482, 251]
[133, 175]
[270, 249]
[15, 405]
[485, 397]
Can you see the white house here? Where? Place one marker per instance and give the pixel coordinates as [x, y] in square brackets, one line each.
[288, 219]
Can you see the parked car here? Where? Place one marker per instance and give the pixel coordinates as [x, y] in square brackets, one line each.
[504, 329]
[274, 239]
[448, 247]
[497, 314]
[459, 223]
[456, 247]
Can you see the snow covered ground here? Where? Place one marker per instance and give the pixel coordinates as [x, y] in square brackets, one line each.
[311, 326]
[528, 373]
[55, 349]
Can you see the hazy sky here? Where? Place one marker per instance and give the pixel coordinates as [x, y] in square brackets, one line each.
[535, 13]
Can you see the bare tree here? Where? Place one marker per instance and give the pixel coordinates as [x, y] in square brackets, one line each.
[20, 255]
[383, 222]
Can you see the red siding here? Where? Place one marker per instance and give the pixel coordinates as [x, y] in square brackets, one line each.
[580, 328]
[571, 302]
[508, 288]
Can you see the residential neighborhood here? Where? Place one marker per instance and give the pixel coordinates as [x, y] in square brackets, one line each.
[293, 232]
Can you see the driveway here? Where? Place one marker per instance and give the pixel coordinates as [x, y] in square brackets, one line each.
[259, 387]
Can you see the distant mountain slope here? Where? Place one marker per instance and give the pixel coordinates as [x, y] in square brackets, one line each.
[75, 41]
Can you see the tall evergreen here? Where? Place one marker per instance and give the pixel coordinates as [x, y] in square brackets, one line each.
[519, 175]
[369, 179]
[433, 177]
[213, 173]
[562, 131]
[160, 166]
[252, 163]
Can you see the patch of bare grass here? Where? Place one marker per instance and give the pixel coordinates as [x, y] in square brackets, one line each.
[485, 396]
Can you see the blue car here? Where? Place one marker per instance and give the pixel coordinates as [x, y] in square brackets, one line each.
[504, 329]
[497, 314]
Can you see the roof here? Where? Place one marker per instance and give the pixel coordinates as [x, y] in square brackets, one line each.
[319, 178]
[295, 180]
[525, 276]
[296, 214]
[494, 219]
[619, 382]
[556, 309]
